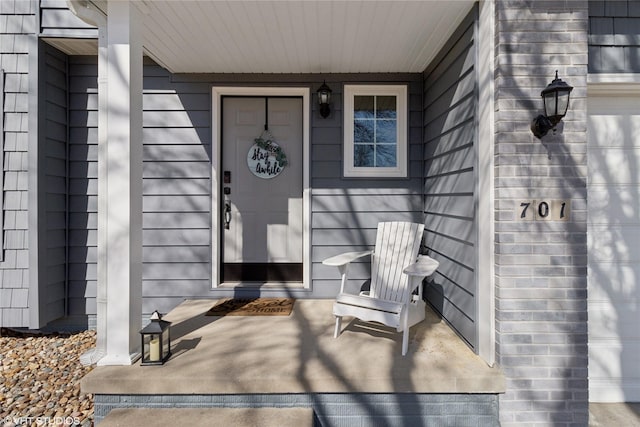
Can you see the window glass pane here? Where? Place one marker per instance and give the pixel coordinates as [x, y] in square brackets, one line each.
[363, 131]
[386, 107]
[385, 156]
[363, 155]
[386, 131]
[363, 107]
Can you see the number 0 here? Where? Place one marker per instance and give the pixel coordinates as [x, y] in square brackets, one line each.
[543, 209]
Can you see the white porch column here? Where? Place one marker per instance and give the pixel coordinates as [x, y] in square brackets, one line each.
[92, 15]
[122, 251]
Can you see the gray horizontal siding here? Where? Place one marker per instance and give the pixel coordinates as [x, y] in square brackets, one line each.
[56, 20]
[53, 185]
[450, 178]
[346, 212]
[177, 189]
[83, 187]
[614, 36]
[170, 186]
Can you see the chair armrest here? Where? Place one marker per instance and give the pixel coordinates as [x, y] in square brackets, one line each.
[425, 266]
[345, 258]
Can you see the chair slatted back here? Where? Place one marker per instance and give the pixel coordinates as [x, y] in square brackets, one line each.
[397, 246]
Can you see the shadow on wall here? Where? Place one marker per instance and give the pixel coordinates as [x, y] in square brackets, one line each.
[613, 224]
[558, 168]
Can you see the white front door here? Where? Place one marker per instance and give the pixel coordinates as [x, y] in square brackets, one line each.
[262, 207]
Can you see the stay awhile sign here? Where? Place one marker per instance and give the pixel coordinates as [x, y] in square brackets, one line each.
[266, 159]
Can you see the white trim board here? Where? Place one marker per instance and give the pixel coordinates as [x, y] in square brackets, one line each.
[624, 84]
[485, 191]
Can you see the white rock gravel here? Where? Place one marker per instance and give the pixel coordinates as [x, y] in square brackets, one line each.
[40, 380]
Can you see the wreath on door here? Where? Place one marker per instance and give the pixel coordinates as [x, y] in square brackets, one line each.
[266, 159]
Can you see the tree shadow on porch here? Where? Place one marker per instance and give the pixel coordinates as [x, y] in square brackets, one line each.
[272, 361]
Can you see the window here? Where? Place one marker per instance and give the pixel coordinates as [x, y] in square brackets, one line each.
[375, 131]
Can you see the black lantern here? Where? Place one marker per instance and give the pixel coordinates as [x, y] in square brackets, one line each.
[324, 97]
[156, 341]
[556, 102]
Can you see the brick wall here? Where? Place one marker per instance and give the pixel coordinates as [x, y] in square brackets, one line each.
[17, 25]
[541, 297]
[334, 409]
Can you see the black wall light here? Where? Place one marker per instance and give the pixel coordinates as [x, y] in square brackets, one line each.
[556, 101]
[324, 97]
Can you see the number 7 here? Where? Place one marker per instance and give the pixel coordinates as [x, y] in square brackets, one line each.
[524, 211]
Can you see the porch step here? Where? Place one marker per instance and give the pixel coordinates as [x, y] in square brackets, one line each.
[237, 417]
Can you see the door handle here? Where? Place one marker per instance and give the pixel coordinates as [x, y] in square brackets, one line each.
[227, 214]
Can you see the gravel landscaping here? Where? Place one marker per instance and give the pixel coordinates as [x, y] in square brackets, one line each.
[40, 379]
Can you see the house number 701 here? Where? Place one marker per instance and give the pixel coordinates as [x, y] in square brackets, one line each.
[544, 210]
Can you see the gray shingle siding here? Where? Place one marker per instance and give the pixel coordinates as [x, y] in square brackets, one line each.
[17, 25]
[614, 36]
[541, 312]
[28, 61]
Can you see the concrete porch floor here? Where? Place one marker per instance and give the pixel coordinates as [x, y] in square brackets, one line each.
[298, 354]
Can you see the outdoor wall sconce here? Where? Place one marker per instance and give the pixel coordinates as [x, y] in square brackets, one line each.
[556, 101]
[324, 97]
[156, 341]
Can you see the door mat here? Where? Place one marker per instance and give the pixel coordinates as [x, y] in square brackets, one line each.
[252, 307]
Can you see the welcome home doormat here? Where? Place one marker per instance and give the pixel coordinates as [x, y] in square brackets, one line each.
[252, 307]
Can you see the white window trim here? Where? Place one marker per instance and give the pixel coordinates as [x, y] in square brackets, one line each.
[399, 171]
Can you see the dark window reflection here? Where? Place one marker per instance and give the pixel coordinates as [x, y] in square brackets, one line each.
[363, 107]
[385, 155]
[363, 155]
[386, 107]
[374, 131]
[364, 131]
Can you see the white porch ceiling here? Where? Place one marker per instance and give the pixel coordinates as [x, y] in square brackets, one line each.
[211, 36]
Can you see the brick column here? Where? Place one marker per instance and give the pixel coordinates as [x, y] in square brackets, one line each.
[541, 265]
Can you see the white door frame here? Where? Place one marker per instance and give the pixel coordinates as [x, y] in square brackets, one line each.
[216, 170]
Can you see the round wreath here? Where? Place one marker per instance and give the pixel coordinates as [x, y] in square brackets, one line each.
[272, 147]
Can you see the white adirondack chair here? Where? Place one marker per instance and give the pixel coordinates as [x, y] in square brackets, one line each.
[396, 271]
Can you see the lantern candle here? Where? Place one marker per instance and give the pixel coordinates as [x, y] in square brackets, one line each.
[154, 350]
[155, 341]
